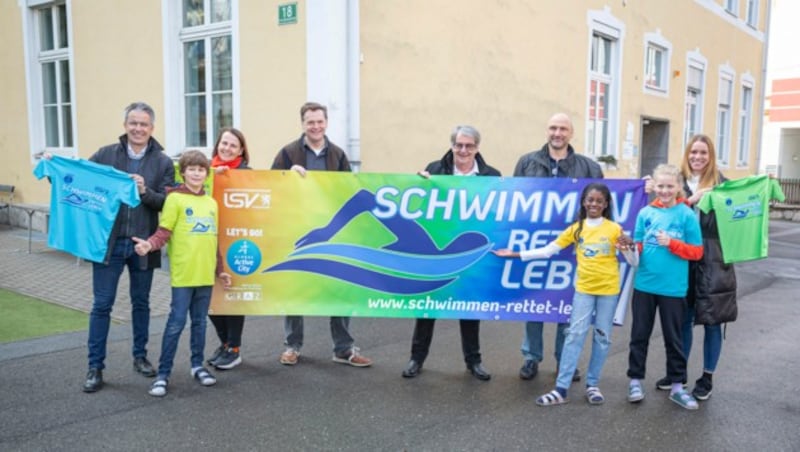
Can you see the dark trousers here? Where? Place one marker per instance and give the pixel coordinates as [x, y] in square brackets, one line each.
[671, 311]
[229, 328]
[423, 335]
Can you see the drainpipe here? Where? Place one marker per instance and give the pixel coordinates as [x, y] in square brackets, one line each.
[763, 87]
[353, 85]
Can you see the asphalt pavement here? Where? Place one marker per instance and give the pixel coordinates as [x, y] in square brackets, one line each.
[322, 405]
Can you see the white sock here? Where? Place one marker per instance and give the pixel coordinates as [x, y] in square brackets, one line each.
[676, 387]
[195, 369]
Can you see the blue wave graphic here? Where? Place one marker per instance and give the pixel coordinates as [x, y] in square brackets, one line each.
[200, 227]
[427, 266]
[361, 276]
[74, 199]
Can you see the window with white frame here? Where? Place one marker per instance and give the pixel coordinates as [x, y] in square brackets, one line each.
[724, 118]
[745, 114]
[50, 93]
[693, 109]
[752, 13]
[605, 38]
[207, 70]
[732, 6]
[655, 76]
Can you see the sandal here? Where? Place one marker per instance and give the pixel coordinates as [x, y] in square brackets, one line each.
[552, 398]
[594, 396]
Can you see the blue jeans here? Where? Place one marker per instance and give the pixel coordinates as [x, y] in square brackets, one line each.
[194, 301]
[105, 279]
[583, 306]
[340, 332]
[532, 347]
[712, 342]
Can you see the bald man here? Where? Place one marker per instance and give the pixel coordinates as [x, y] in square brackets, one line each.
[555, 159]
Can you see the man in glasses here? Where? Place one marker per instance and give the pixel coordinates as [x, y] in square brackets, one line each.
[555, 159]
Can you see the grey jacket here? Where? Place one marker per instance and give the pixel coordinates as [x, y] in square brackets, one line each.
[158, 172]
[537, 164]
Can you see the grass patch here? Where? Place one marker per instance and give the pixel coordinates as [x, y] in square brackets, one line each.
[25, 317]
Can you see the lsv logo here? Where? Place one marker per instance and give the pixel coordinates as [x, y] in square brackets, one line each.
[247, 198]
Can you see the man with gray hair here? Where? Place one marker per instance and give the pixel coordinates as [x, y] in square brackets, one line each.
[462, 159]
[140, 155]
[556, 158]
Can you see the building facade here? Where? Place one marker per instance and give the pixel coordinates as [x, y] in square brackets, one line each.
[637, 78]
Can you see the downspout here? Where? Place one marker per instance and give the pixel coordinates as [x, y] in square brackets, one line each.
[353, 85]
[763, 87]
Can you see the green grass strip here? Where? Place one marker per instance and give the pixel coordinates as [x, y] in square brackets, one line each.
[24, 317]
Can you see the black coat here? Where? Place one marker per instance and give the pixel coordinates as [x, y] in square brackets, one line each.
[445, 166]
[712, 282]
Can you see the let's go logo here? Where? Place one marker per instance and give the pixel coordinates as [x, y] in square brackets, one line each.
[247, 198]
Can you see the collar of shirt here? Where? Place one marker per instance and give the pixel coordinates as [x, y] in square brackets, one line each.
[316, 152]
[472, 172]
[133, 155]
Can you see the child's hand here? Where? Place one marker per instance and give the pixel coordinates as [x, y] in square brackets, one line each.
[226, 280]
[142, 246]
[624, 242]
[663, 238]
[504, 253]
[649, 184]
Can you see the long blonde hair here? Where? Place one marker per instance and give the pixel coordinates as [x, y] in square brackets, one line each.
[710, 176]
[667, 169]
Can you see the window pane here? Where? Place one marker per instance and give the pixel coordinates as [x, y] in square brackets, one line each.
[63, 42]
[66, 116]
[223, 110]
[221, 64]
[63, 73]
[49, 83]
[195, 65]
[695, 78]
[196, 121]
[193, 14]
[601, 55]
[51, 126]
[220, 10]
[46, 29]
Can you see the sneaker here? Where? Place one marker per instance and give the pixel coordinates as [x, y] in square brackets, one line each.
[143, 366]
[635, 393]
[702, 388]
[158, 388]
[665, 384]
[204, 377]
[353, 358]
[229, 359]
[289, 357]
[684, 399]
[529, 369]
[217, 353]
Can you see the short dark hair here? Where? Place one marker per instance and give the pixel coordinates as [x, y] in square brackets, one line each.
[140, 106]
[193, 158]
[312, 106]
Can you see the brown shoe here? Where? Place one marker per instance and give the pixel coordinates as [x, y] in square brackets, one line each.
[289, 357]
[353, 358]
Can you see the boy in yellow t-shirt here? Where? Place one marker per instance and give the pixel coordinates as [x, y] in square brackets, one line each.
[189, 223]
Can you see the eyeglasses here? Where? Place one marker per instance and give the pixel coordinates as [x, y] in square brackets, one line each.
[467, 146]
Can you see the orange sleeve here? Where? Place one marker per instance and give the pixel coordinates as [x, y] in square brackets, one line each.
[685, 251]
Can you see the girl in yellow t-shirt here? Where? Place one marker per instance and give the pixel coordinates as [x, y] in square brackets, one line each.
[596, 238]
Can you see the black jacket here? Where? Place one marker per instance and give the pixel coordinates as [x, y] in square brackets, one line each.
[158, 172]
[537, 164]
[294, 153]
[712, 282]
[445, 165]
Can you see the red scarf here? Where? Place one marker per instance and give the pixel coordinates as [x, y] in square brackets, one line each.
[216, 162]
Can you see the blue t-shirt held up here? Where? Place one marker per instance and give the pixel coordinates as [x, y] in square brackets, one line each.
[84, 200]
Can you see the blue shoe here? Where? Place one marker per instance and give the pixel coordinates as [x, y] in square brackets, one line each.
[684, 399]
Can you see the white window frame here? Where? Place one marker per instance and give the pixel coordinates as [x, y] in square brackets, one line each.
[174, 107]
[745, 121]
[726, 75]
[659, 43]
[603, 23]
[694, 59]
[732, 7]
[34, 58]
[751, 15]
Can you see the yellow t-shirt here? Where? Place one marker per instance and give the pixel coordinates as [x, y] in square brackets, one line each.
[193, 243]
[596, 254]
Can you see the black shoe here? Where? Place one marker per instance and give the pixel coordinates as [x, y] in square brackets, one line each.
[412, 369]
[479, 372]
[143, 366]
[702, 387]
[665, 384]
[577, 375]
[94, 381]
[529, 369]
[217, 353]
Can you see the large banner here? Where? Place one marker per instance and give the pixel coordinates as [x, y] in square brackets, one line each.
[390, 245]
